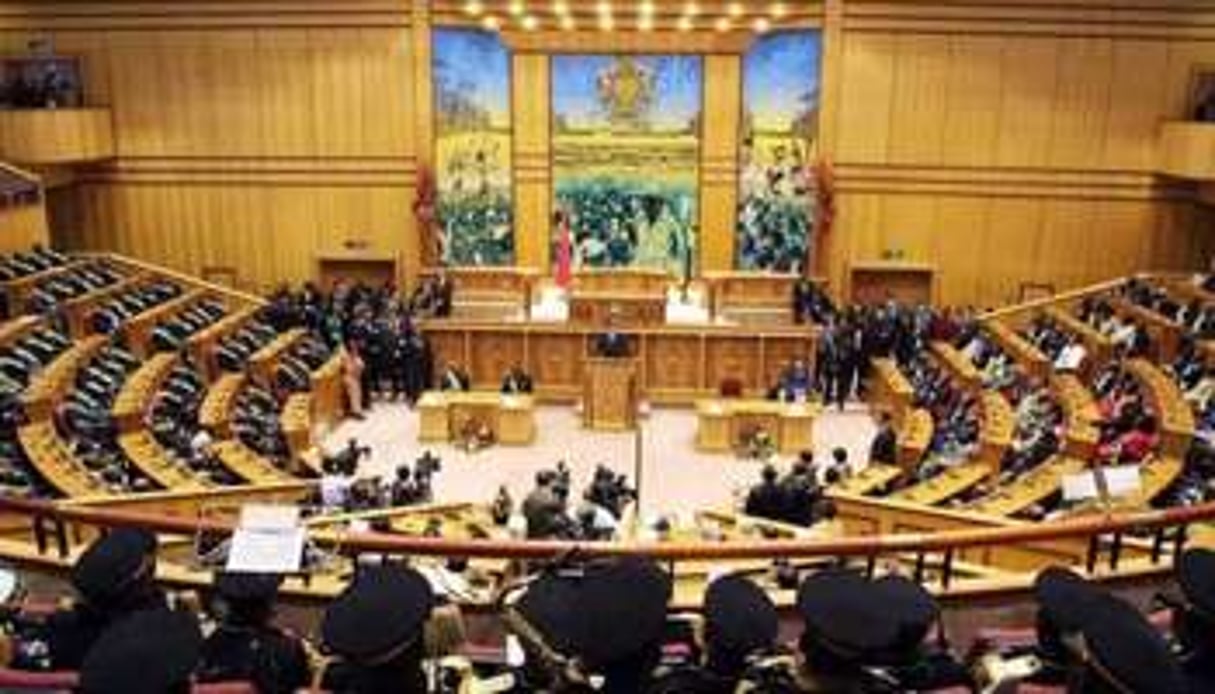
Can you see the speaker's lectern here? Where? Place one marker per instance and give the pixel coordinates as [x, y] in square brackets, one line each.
[609, 393]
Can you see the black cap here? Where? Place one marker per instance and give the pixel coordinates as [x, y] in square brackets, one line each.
[873, 622]
[381, 612]
[1196, 576]
[605, 615]
[113, 563]
[149, 652]
[1064, 598]
[739, 616]
[248, 587]
[1127, 651]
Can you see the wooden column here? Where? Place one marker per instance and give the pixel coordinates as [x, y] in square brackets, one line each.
[719, 160]
[533, 177]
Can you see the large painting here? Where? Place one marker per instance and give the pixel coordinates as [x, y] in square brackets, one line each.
[473, 148]
[626, 147]
[778, 149]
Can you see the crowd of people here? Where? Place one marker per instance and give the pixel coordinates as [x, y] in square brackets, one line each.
[606, 625]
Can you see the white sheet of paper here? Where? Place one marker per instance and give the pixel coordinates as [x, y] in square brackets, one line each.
[1080, 487]
[1122, 480]
[256, 550]
[269, 516]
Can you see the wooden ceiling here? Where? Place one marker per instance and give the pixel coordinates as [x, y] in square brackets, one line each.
[629, 15]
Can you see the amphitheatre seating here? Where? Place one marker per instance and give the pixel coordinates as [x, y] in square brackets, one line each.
[873, 478]
[77, 309]
[1176, 418]
[146, 453]
[1031, 488]
[296, 421]
[959, 368]
[245, 463]
[17, 291]
[50, 456]
[1100, 348]
[328, 395]
[1165, 334]
[54, 382]
[135, 398]
[915, 436]
[138, 329]
[17, 328]
[215, 413]
[1080, 415]
[264, 361]
[890, 390]
[945, 486]
[1023, 353]
[995, 430]
[201, 345]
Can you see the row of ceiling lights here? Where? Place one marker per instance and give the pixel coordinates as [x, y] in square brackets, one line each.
[518, 12]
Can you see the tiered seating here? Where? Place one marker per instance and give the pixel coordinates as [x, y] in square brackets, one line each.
[215, 415]
[1176, 418]
[107, 316]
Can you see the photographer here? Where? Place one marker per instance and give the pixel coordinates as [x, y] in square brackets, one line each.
[610, 492]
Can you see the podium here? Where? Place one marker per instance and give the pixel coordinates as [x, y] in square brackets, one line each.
[609, 393]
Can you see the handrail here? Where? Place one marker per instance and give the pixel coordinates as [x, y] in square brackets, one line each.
[855, 546]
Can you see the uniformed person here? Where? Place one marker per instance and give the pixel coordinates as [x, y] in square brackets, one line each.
[1194, 622]
[150, 652]
[376, 627]
[740, 623]
[113, 578]
[246, 645]
[606, 619]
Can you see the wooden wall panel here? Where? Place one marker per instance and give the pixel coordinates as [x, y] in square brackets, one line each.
[1001, 143]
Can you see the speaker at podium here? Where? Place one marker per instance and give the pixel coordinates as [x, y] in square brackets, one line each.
[609, 393]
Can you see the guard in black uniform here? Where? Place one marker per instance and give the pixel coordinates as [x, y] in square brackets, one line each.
[740, 623]
[1194, 621]
[375, 626]
[114, 578]
[604, 618]
[150, 652]
[246, 645]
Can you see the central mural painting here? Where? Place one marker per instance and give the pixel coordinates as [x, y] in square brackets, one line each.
[626, 149]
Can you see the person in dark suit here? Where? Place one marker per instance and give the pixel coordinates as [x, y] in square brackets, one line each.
[441, 296]
[454, 378]
[612, 344]
[516, 381]
[152, 651]
[885, 446]
[246, 645]
[766, 500]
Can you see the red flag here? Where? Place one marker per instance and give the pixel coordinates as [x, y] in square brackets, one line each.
[564, 243]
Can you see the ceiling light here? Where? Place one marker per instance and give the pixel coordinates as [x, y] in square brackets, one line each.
[778, 10]
[736, 9]
[567, 22]
[529, 22]
[646, 8]
[645, 23]
[473, 7]
[605, 22]
[604, 7]
[761, 25]
[722, 24]
[691, 9]
[561, 7]
[685, 23]
[491, 23]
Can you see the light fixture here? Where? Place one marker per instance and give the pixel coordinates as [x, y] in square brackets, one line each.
[645, 23]
[473, 7]
[691, 9]
[646, 8]
[561, 7]
[605, 22]
[685, 23]
[567, 22]
[604, 7]
[722, 24]
[736, 10]
[491, 23]
[517, 8]
[529, 22]
[761, 25]
[778, 10]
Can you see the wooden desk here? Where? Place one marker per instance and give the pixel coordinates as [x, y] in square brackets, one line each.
[246, 464]
[874, 282]
[722, 423]
[136, 395]
[945, 486]
[676, 364]
[870, 479]
[445, 414]
[1176, 418]
[138, 329]
[995, 432]
[215, 413]
[77, 309]
[478, 290]
[265, 360]
[296, 422]
[959, 367]
[54, 382]
[614, 308]
[1080, 415]
[915, 436]
[621, 280]
[754, 297]
[201, 345]
[1100, 349]
[328, 403]
[891, 391]
[17, 292]
[146, 453]
[52, 458]
[1164, 333]
[1030, 488]
[13, 330]
[1022, 351]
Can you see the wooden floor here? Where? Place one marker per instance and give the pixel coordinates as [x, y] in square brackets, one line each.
[675, 478]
